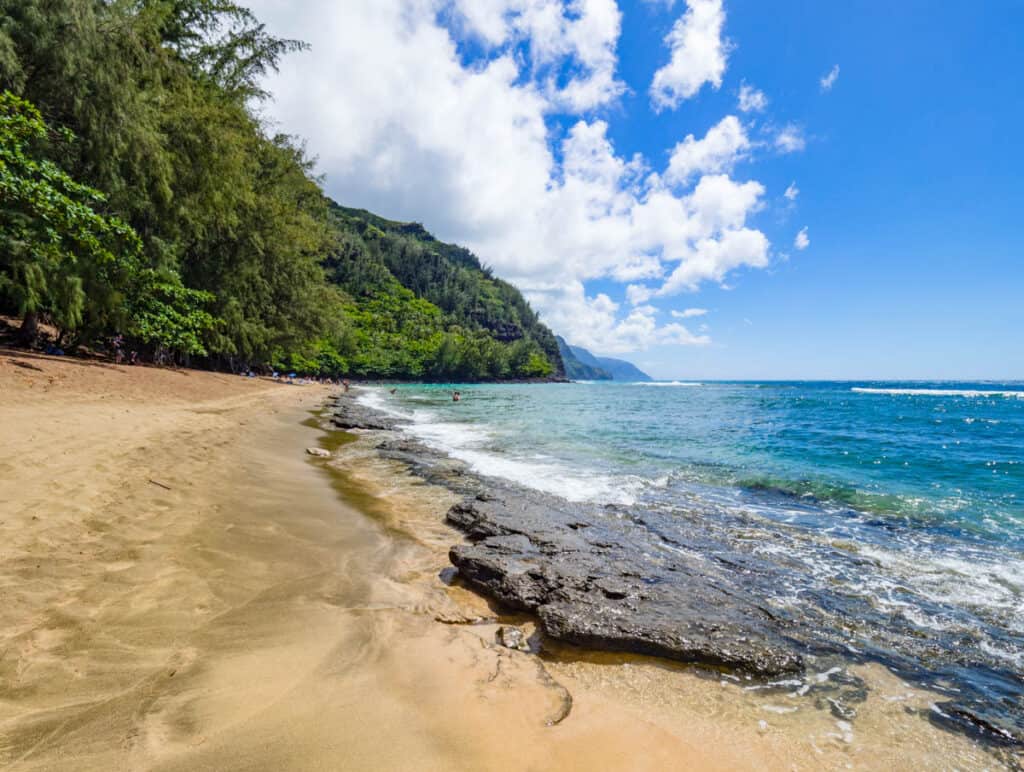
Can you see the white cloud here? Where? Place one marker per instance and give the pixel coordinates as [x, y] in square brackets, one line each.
[828, 80]
[751, 100]
[792, 191]
[403, 126]
[712, 259]
[602, 331]
[580, 33]
[638, 293]
[802, 241]
[723, 145]
[790, 139]
[639, 267]
[698, 54]
[689, 313]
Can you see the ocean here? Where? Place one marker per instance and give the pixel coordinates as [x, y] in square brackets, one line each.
[891, 514]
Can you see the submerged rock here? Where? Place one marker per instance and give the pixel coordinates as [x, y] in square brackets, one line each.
[351, 415]
[593, 580]
[319, 452]
[512, 638]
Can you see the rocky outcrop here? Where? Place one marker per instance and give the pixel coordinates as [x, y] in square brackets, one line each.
[681, 583]
[349, 414]
[594, 580]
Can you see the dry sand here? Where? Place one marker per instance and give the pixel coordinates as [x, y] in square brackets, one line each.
[182, 587]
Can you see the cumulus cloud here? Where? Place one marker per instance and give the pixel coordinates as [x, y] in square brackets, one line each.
[603, 330]
[828, 80]
[711, 259]
[719, 150]
[751, 100]
[792, 191]
[698, 54]
[580, 35]
[689, 313]
[637, 294]
[404, 125]
[802, 241]
[790, 139]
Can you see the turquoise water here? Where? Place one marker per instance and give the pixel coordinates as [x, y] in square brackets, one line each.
[946, 456]
[893, 512]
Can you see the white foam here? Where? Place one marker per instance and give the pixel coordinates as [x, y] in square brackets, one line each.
[942, 392]
[993, 584]
[374, 398]
[469, 442]
[448, 435]
[1014, 657]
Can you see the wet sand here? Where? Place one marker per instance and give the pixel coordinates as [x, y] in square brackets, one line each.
[182, 587]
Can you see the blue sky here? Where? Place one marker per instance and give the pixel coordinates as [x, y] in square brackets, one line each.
[530, 130]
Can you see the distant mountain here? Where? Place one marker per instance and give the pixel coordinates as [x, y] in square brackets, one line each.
[576, 368]
[621, 370]
[581, 365]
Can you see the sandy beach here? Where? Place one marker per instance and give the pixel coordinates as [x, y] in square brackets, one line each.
[183, 587]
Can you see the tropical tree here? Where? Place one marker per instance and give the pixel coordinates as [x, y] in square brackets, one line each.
[56, 243]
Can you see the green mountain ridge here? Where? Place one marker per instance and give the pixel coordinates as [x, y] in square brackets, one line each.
[423, 308]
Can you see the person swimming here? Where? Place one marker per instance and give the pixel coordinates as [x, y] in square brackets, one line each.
[456, 396]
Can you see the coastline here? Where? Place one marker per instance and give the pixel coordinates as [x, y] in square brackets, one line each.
[184, 588]
[897, 724]
[246, 615]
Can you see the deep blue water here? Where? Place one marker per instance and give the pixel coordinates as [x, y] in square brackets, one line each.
[902, 503]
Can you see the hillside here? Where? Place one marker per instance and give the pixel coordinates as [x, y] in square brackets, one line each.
[418, 307]
[581, 365]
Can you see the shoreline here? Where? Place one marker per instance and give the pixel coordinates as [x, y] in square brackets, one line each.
[250, 616]
[832, 683]
[275, 610]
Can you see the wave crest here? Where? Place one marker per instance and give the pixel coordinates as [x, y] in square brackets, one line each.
[941, 392]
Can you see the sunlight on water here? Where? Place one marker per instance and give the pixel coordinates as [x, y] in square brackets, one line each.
[893, 513]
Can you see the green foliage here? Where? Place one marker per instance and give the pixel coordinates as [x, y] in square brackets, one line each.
[64, 259]
[55, 244]
[166, 313]
[449, 276]
[424, 309]
[212, 238]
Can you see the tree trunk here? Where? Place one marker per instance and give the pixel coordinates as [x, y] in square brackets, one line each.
[29, 328]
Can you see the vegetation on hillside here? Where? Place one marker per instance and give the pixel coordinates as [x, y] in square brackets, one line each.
[141, 195]
[421, 308]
